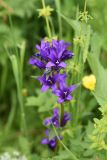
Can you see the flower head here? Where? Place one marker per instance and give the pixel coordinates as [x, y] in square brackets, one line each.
[38, 63]
[58, 54]
[45, 12]
[55, 119]
[61, 49]
[89, 82]
[64, 92]
[65, 119]
[55, 60]
[43, 49]
[47, 82]
[52, 143]
[50, 81]
[51, 55]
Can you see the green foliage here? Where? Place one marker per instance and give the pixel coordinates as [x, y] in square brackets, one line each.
[44, 101]
[99, 71]
[99, 134]
[22, 105]
[20, 8]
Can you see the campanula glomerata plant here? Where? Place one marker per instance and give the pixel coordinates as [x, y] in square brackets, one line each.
[51, 59]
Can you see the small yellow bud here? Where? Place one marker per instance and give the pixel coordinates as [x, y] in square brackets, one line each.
[89, 82]
[79, 40]
[24, 92]
[55, 37]
[45, 12]
[47, 39]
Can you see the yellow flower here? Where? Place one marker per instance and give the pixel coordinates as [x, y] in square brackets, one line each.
[45, 12]
[89, 82]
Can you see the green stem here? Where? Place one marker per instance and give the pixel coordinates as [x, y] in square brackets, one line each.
[62, 113]
[47, 20]
[48, 27]
[51, 26]
[12, 113]
[57, 2]
[13, 36]
[85, 6]
[23, 121]
[71, 154]
[43, 3]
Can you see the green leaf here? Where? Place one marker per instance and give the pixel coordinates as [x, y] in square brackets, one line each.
[100, 72]
[45, 101]
[34, 157]
[32, 101]
[24, 145]
[63, 155]
[73, 23]
[21, 8]
[15, 69]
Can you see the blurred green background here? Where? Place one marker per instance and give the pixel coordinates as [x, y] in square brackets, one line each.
[20, 30]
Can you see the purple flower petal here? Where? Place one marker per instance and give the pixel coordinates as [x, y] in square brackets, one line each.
[54, 43]
[67, 55]
[56, 124]
[62, 64]
[61, 77]
[47, 132]
[42, 79]
[47, 121]
[71, 88]
[54, 87]
[52, 143]
[36, 62]
[62, 85]
[45, 141]
[38, 47]
[57, 92]
[44, 88]
[50, 64]
[69, 97]
[53, 55]
[66, 118]
[56, 111]
[60, 100]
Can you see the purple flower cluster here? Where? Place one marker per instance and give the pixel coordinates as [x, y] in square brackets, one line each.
[51, 56]
[52, 143]
[51, 59]
[55, 119]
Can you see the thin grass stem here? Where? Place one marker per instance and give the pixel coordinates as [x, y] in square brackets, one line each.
[72, 155]
[47, 20]
[58, 6]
